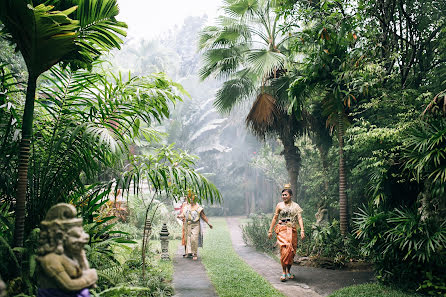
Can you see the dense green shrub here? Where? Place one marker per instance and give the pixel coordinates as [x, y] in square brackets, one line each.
[326, 241]
[405, 248]
[124, 278]
[131, 231]
[255, 233]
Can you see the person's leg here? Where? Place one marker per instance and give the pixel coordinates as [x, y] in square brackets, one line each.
[188, 245]
[194, 240]
[284, 266]
[294, 243]
[289, 275]
[183, 238]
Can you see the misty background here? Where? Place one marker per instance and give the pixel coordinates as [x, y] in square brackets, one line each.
[229, 155]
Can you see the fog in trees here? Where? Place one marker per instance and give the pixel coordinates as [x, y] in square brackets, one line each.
[225, 148]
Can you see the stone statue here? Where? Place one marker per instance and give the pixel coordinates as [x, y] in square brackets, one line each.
[65, 271]
[2, 288]
[321, 216]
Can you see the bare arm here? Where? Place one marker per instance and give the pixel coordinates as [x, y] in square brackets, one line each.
[181, 214]
[274, 220]
[205, 218]
[301, 224]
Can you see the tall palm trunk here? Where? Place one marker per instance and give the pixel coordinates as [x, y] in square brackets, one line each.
[291, 154]
[343, 212]
[24, 149]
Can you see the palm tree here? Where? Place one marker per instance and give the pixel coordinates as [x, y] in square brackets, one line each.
[247, 50]
[327, 80]
[45, 35]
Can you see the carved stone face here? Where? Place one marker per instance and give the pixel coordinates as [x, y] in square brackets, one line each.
[75, 240]
[2, 288]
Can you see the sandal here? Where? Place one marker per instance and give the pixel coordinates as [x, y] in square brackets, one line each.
[283, 278]
[290, 276]
[195, 258]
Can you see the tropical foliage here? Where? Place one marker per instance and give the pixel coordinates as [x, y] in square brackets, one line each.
[247, 50]
[372, 111]
[46, 36]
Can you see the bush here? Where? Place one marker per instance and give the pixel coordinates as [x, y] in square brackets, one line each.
[125, 278]
[405, 248]
[131, 231]
[255, 233]
[327, 241]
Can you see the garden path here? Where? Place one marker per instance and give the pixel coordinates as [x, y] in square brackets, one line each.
[310, 282]
[190, 278]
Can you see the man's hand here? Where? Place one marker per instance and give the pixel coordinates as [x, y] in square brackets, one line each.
[270, 234]
[302, 234]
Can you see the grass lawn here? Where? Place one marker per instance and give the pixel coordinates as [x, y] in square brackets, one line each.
[231, 276]
[371, 290]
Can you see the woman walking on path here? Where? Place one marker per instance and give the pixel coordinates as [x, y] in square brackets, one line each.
[289, 215]
[192, 214]
[183, 223]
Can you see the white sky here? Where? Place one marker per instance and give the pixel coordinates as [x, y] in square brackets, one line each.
[149, 18]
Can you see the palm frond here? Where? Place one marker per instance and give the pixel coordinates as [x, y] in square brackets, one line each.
[234, 91]
[222, 62]
[99, 30]
[42, 34]
[262, 114]
[265, 62]
[228, 33]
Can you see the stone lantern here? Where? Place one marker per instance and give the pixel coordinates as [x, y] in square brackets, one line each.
[164, 238]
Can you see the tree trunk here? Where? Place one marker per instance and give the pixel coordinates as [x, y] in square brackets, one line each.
[292, 161]
[253, 203]
[323, 154]
[343, 212]
[27, 125]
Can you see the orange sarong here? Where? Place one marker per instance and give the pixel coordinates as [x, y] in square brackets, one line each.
[287, 240]
[183, 235]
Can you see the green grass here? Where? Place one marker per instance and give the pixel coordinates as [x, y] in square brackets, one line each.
[166, 266]
[231, 276]
[371, 290]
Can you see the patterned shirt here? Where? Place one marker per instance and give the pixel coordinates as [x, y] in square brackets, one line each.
[291, 212]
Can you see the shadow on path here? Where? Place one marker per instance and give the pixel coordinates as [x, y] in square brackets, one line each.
[310, 282]
[190, 278]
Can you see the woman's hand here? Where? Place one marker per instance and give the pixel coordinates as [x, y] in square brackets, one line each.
[210, 226]
[302, 234]
[270, 234]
